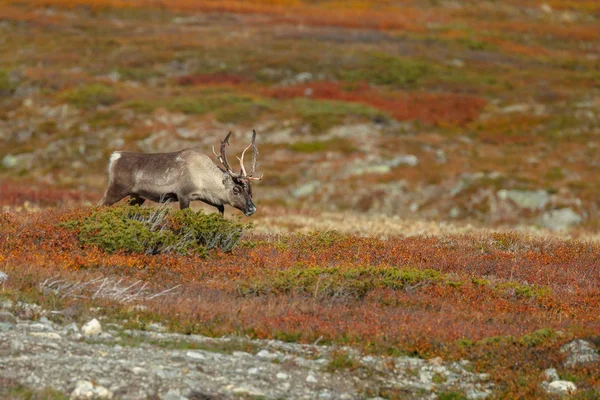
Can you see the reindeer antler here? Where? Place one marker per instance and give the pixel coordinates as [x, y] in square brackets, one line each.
[254, 156]
[223, 158]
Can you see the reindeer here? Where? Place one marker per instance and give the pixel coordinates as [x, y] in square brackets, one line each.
[183, 176]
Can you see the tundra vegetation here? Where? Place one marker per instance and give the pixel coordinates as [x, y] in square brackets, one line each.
[496, 102]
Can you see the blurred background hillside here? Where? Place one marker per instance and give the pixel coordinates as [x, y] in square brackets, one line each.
[485, 112]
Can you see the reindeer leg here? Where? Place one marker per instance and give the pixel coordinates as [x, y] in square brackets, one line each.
[135, 200]
[111, 196]
[184, 202]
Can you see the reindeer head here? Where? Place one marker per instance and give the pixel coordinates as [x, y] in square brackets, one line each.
[239, 190]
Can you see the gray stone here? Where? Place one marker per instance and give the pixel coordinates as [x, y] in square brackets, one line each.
[579, 352]
[560, 219]
[71, 328]
[46, 335]
[18, 162]
[3, 277]
[267, 355]
[551, 375]
[5, 316]
[173, 395]
[87, 390]
[9, 161]
[526, 199]
[408, 160]
[306, 190]
[196, 356]
[17, 346]
[6, 326]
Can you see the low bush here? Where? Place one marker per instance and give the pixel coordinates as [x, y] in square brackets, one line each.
[133, 229]
[352, 281]
[90, 96]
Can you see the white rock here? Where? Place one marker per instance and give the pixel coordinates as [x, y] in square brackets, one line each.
[266, 354]
[281, 375]
[3, 277]
[253, 371]
[561, 387]
[92, 328]
[408, 159]
[46, 335]
[248, 390]
[87, 390]
[310, 378]
[195, 355]
[83, 390]
[139, 370]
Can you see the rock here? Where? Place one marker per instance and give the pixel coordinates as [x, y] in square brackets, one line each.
[267, 355]
[37, 327]
[139, 370]
[195, 355]
[477, 394]
[46, 335]
[3, 277]
[579, 352]
[247, 390]
[6, 326]
[92, 328]
[9, 161]
[371, 169]
[18, 162]
[408, 160]
[560, 219]
[547, 8]
[516, 108]
[310, 378]
[440, 156]
[87, 390]
[306, 190]
[454, 212]
[550, 375]
[173, 395]
[253, 371]
[303, 77]
[527, 199]
[282, 376]
[17, 346]
[71, 328]
[5, 316]
[561, 387]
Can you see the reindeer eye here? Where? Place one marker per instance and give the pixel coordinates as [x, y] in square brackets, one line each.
[237, 190]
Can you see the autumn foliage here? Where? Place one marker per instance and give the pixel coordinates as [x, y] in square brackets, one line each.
[421, 295]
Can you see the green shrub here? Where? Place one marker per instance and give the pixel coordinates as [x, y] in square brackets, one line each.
[354, 282]
[325, 114]
[385, 69]
[157, 230]
[6, 86]
[337, 144]
[90, 96]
